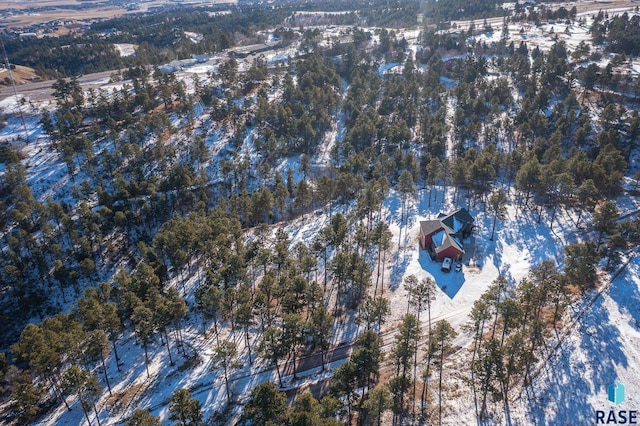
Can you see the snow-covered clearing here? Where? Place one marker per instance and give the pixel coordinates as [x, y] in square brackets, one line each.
[200, 69]
[281, 56]
[194, 37]
[125, 49]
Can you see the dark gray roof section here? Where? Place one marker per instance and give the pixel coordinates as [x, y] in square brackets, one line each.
[430, 226]
[462, 215]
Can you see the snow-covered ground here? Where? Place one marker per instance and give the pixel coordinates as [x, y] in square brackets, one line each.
[126, 49]
[194, 37]
[602, 347]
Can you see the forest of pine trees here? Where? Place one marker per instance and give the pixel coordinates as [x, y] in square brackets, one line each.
[151, 206]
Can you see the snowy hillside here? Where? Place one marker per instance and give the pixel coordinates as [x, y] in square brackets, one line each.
[214, 226]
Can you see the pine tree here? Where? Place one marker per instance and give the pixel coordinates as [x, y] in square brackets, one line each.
[367, 356]
[24, 398]
[177, 309]
[272, 347]
[266, 406]
[209, 300]
[306, 411]
[480, 314]
[144, 327]
[40, 350]
[443, 334]
[162, 319]
[303, 196]
[244, 319]
[587, 194]
[433, 174]
[320, 331]
[85, 386]
[406, 187]
[580, 264]
[498, 206]
[377, 403]
[403, 352]
[226, 357]
[98, 346]
[305, 166]
[142, 417]
[420, 294]
[345, 384]
[373, 312]
[185, 409]
[605, 219]
[292, 336]
[410, 281]
[382, 239]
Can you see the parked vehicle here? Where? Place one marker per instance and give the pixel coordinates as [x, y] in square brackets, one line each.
[446, 264]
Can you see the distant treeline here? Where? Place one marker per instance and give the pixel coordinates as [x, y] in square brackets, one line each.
[160, 36]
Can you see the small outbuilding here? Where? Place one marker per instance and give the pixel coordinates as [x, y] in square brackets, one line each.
[168, 68]
[201, 59]
[244, 51]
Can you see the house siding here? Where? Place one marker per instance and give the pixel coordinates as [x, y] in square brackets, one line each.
[451, 252]
[425, 241]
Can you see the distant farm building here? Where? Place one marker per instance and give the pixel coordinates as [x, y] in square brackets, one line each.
[201, 59]
[186, 63]
[244, 51]
[176, 65]
[444, 236]
[168, 68]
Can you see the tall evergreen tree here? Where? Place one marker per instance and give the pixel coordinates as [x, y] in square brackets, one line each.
[142, 417]
[185, 409]
[85, 386]
[403, 352]
[498, 206]
[377, 403]
[226, 357]
[443, 334]
[266, 406]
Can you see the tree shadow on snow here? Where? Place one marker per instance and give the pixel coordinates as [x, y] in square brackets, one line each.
[399, 266]
[582, 367]
[449, 282]
[625, 292]
[533, 240]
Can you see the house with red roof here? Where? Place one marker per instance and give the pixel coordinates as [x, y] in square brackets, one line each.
[444, 236]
